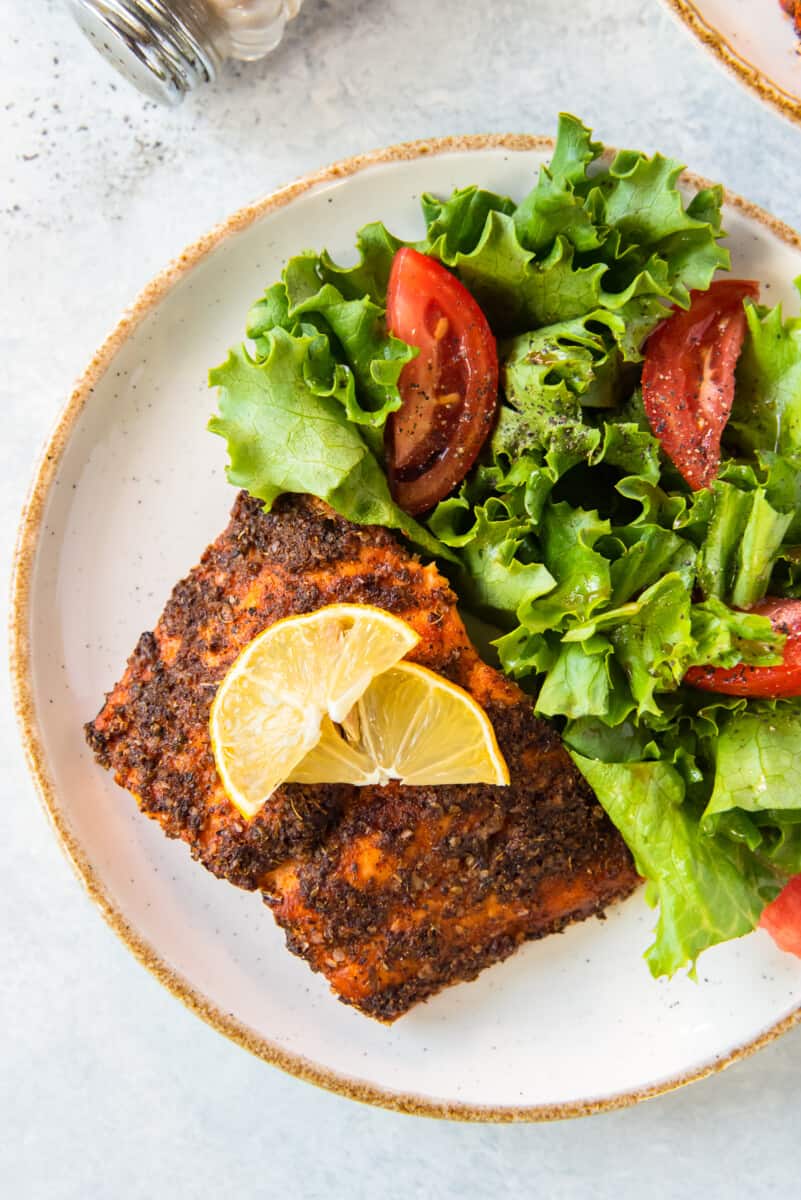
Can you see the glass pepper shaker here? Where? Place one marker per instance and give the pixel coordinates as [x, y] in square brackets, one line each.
[167, 47]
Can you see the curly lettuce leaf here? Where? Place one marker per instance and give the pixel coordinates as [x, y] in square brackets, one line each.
[766, 414]
[631, 659]
[619, 238]
[781, 475]
[754, 801]
[786, 577]
[648, 552]
[742, 543]
[632, 450]
[493, 580]
[518, 292]
[584, 680]
[773, 836]
[567, 538]
[639, 198]
[355, 328]
[655, 641]
[628, 741]
[726, 636]
[288, 431]
[651, 640]
[521, 653]
[757, 759]
[548, 376]
[555, 206]
[708, 889]
[454, 226]
[377, 248]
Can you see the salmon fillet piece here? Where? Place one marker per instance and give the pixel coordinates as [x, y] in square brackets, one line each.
[392, 892]
[152, 732]
[418, 888]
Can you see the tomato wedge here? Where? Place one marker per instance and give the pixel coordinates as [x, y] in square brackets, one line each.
[449, 392]
[688, 376]
[767, 682]
[782, 918]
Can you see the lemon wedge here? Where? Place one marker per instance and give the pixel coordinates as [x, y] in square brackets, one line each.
[269, 710]
[411, 725]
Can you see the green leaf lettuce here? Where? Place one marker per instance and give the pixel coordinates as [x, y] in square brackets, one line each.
[287, 432]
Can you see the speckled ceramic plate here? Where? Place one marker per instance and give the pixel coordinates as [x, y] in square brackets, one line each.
[129, 493]
[753, 38]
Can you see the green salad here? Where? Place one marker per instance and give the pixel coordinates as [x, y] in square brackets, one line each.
[607, 579]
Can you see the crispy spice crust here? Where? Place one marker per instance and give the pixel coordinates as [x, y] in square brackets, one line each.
[418, 888]
[391, 892]
[152, 732]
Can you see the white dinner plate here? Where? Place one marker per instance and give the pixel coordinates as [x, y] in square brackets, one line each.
[129, 493]
[756, 40]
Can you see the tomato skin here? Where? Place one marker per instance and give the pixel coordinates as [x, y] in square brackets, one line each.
[688, 376]
[782, 918]
[769, 683]
[449, 391]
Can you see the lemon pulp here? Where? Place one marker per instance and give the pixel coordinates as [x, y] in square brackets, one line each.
[411, 725]
[270, 707]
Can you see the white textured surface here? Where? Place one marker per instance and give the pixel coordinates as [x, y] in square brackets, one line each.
[109, 1087]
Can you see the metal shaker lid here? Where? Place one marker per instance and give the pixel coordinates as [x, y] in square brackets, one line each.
[153, 47]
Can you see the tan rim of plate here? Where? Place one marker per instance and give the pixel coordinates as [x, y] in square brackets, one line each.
[767, 89]
[27, 542]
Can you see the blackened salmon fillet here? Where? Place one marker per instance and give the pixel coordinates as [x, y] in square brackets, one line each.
[391, 892]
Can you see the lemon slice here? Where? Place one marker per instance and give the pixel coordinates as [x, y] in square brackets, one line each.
[411, 725]
[269, 708]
